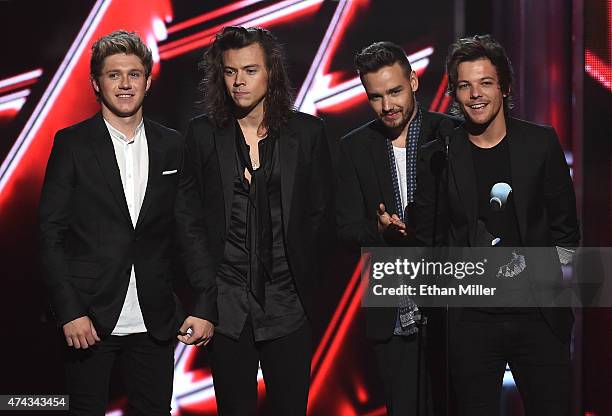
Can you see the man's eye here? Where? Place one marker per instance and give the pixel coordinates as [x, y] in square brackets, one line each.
[251, 71]
[462, 86]
[113, 75]
[229, 72]
[395, 93]
[135, 74]
[374, 97]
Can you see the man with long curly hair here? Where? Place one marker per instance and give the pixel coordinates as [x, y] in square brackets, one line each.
[263, 171]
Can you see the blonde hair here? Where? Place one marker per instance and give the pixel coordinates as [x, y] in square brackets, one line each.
[119, 41]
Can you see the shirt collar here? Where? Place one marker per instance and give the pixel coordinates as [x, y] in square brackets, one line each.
[117, 135]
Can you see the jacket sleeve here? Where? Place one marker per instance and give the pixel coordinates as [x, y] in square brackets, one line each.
[354, 226]
[54, 219]
[193, 245]
[559, 196]
[321, 185]
[431, 210]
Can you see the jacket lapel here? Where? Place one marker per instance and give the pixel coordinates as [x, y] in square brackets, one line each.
[105, 153]
[225, 143]
[156, 158]
[380, 157]
[464, 178]
[519, 187]
[288, 148]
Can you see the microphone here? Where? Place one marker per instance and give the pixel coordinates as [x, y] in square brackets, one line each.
[439, 159]
[499, 195]
[445, 130]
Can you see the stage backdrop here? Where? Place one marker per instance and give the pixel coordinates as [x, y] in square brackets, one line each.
[44, 87]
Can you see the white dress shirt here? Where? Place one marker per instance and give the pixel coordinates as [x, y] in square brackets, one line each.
[400, 168]
[133, 160]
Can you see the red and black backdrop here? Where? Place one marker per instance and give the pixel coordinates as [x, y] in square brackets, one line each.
[562, 56]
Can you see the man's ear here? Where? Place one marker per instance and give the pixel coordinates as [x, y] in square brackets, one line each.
[148, 84]
[414, 81]
[507, 93]
[94, 84]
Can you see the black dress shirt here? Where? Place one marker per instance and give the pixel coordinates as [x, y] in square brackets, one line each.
[282, 312]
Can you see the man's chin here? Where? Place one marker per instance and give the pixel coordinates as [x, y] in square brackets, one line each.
[124, 113]
[392, 124]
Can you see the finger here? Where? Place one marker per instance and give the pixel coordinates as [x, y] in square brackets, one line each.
[90, 338]
[76, 342]
[400, 225]
[197, 336]
[94, 333]
[381, 209]
[69, 341]
[186, 325]
[204, 342]
[83, 341]
[189, 340]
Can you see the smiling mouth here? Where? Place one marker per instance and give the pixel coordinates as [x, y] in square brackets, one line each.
[477, 106]
[124, 95]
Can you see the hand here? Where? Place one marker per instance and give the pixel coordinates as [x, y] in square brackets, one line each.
[390, 225]
[80, 333]
[200, 334]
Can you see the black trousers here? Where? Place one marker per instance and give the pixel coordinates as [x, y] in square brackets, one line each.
[285, 363]
[147, 366]
[402, 368]
[538, 359]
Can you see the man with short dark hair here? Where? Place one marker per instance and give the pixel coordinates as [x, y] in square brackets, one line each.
[375, 200]
[492, 148]
[264, 175]
[107, 215]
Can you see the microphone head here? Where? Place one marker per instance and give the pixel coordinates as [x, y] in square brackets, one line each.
[445, 128]
[499, 195]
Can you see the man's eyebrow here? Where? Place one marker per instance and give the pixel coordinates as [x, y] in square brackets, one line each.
[243, 67]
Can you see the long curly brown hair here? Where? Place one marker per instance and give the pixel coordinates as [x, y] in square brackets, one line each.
[216, 102]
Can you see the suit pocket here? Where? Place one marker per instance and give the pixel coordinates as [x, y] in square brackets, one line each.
[83, 269]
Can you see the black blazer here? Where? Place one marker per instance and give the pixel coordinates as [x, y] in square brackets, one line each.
[88, 242]
[306, 184]
[364, 181]
[544, 201]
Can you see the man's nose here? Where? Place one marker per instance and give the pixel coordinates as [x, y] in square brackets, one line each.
[475, 91]
[125, 82]
[238, 79]
[386, 104]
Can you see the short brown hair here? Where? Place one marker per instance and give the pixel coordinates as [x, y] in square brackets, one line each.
[473, 49]
[380, 54]
[119, 41]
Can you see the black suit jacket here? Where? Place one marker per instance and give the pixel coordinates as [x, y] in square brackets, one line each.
[364, 181]
[88, 242]
[544, 201]
[306, 184]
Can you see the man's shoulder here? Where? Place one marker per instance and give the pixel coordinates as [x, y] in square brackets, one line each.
[202, 121]
[434, 119]
[304, 120]
[79, 132]
[362, 132]
[528, 127]
[435, 116]
[164, 131]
